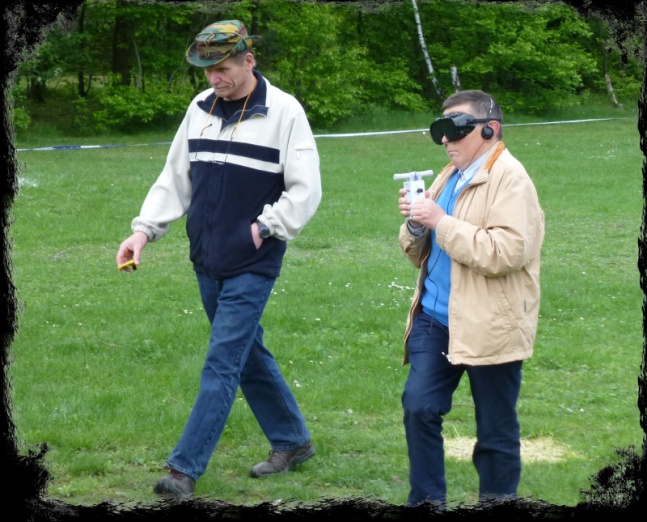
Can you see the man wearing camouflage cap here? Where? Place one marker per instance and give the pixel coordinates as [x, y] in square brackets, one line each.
[244, 168]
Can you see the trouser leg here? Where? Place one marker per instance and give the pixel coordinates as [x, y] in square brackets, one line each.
[271, 399]
[426, 399]
[234, 306]
[497, 453]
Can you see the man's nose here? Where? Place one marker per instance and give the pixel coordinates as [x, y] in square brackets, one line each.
[213, 77]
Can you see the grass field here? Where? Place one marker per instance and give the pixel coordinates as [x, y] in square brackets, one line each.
[105, 364]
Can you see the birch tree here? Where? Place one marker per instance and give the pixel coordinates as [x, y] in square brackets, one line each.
[430, 67]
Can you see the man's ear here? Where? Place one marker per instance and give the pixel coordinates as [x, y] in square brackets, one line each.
[250, 61]
[491, 129]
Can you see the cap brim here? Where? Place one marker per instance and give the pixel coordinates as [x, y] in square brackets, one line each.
[194, 58]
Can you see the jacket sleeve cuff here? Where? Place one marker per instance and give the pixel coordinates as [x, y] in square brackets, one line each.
[152, 232]
[417, 232]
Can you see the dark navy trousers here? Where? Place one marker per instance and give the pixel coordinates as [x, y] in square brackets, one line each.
[427, 398]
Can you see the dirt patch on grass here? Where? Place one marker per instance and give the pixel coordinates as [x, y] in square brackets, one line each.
[532, 450]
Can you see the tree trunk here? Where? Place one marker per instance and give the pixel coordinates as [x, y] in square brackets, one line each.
[36, 89]
[124, 36]
[430, 67]
[455, 80]
[607, 80]
[80, 76]
[605, 65]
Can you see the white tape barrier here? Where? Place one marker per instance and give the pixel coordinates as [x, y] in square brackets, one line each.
[347, 135]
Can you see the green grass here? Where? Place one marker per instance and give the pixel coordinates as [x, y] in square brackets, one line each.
[105, 365]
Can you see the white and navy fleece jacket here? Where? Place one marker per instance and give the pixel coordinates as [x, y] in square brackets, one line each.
[225, 175]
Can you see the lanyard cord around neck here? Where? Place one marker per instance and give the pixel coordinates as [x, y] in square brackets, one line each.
[242, 112]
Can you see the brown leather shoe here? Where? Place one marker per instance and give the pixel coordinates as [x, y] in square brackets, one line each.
[283, 461]
[175, 485]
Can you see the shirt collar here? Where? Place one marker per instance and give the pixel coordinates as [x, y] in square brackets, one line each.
[469, 172]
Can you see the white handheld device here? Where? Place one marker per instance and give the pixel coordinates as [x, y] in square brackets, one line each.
[414, 184]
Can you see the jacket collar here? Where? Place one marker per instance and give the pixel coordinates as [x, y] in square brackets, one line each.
[495, 152]
[492, 155]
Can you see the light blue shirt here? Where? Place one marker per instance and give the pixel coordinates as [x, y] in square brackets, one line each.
[466, 176]
[437, 286]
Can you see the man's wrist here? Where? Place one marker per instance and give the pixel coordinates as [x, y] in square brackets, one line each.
[263, 230]
[440, 221]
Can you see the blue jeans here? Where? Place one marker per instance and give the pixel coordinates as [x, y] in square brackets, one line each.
[237, 357]
[427, 397]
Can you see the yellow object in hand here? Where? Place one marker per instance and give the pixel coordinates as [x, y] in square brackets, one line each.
[127, 264]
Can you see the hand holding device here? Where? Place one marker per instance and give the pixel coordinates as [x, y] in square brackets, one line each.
[414, 184]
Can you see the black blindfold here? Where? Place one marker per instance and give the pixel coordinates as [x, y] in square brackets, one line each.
[455, 126]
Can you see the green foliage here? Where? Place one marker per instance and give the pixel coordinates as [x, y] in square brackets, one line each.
[389, 86]
[126, 108]
[302, 34]
[19, 114]
[353, 81]
[20, 118]
[543, 59]
[530, 58]
[69, 51]
[162, 30]
[339, 59]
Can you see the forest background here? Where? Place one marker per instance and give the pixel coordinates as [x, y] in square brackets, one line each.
[115, 65]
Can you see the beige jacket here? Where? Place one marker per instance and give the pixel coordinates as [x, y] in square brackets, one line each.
[494, 239]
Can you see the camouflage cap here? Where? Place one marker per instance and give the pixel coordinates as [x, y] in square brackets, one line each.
[219, 41]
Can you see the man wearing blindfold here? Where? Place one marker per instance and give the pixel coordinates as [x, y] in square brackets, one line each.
[476, 238]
